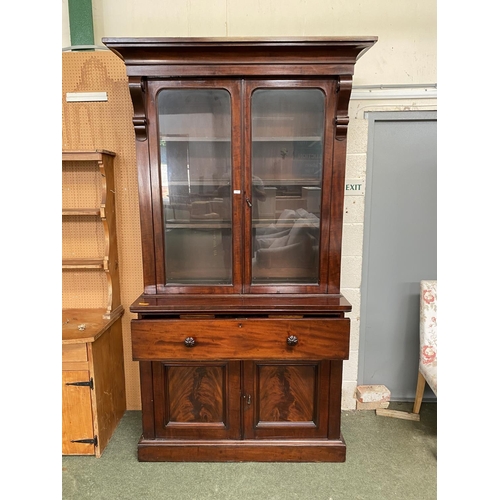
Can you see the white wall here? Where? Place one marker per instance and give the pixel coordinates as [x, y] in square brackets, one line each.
[405, 54]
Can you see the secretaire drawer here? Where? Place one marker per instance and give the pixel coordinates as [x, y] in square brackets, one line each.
[263, 338]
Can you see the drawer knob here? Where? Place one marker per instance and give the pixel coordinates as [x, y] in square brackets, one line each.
[189, 342]
[292, 340]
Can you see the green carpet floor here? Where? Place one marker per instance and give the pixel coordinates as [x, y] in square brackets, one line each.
[387, 458]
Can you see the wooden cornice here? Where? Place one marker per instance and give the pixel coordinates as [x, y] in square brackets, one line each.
[166, 57]
[146, 58]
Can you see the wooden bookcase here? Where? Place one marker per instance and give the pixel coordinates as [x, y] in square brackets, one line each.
[241, 329]
[93, 380]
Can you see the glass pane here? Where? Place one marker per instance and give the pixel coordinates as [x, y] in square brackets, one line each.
[195, 147]
[287, 159]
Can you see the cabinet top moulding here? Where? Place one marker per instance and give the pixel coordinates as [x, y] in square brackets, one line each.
[298, 56]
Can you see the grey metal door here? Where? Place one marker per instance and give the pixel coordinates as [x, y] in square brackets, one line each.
[399, 249]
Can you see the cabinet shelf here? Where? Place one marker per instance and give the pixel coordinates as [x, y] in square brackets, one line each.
[307, 138]
[191, 224]
[294, 181]
[311, 138]
[96, 155]
[82, 212]
[194, 139]
[83, 264]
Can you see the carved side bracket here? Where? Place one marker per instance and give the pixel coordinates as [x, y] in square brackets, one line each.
[136, 86]
[344, 87]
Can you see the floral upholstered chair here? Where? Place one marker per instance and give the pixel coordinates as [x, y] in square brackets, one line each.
[427, 369]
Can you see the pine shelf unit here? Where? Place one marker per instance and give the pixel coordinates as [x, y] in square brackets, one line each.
[108, 262]
[93, 377]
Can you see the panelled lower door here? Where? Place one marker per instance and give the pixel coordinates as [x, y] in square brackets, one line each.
[197, 400]
[283, 399]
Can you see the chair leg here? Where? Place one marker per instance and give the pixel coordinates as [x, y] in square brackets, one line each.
[419, 394]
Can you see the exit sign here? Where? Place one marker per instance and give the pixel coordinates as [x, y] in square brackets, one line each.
[354, 187]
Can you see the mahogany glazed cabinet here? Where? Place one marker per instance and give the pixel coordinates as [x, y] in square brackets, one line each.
[241, 330]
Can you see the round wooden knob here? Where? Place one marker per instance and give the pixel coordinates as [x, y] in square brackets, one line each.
[189, 342]
[292, 340]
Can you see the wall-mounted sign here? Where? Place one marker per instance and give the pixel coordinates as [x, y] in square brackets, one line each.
[86, 96]
[354, 187]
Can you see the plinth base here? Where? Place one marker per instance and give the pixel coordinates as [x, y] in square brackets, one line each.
[159, 450]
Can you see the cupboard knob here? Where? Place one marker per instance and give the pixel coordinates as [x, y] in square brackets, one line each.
[189, 342]
[292, 340]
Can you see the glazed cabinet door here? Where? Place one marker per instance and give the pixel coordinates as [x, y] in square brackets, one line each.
[195, 174]
[286, 399]
[288, 149]
[196, 400]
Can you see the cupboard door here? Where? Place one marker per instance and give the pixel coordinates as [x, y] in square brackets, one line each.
[77, 423]
[286, 399]
[197, 400]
